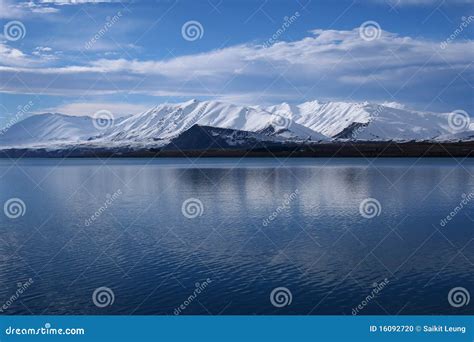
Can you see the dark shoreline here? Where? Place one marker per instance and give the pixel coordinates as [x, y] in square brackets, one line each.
[340, 149]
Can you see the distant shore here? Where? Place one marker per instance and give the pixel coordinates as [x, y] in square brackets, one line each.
[338, 149]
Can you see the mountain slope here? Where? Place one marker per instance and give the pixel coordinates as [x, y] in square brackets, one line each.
[461, 136]
[365, 121]
[214, 138]
[48, 128]
[307, 122]
[167, 121]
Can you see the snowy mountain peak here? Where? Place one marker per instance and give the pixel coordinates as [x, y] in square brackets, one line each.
[308, 121]
[49, 127]
[365, 121]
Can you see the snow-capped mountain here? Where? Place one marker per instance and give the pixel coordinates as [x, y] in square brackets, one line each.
[167, 121]
[47, 128]
[307, 122]
[365, 121]
[462, 136]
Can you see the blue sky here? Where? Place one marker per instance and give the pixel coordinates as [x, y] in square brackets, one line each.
[78, 57]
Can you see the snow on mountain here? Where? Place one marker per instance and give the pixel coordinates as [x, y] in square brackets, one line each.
[461, 136]
[365, 121]
[48, 128]
[314, 121]
[167, 121]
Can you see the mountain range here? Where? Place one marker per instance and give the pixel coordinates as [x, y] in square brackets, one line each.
[233, 125]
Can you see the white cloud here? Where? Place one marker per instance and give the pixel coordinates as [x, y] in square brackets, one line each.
[8, 10]
[20, 9]
[395, 105]
[12, 9]
[78, 2]
[45, 53]
[35, 8]
[11, 56]
[43, 49]
[325, 63]
[15, 58]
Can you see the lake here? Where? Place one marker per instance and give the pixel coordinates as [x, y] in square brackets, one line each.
[237, 236]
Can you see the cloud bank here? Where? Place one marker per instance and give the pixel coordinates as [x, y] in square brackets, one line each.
[325, 63]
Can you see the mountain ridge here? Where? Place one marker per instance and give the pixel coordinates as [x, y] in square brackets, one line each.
[313, 121]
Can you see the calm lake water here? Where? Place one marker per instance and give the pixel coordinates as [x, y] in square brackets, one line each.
[236, 230]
